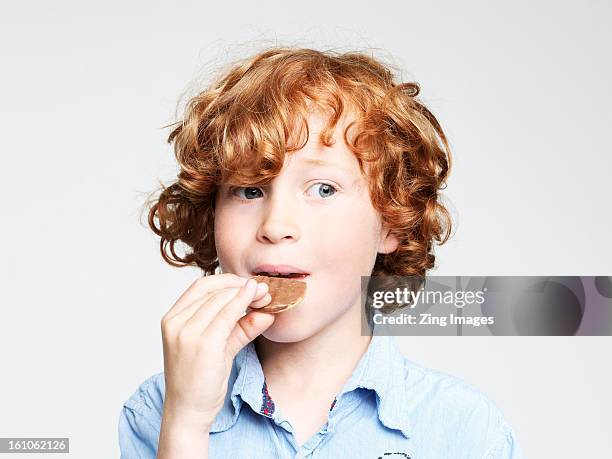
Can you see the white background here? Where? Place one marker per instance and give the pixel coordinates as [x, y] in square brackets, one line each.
[521, 88]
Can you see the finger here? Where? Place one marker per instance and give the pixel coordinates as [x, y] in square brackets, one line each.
[260, 303]
[247, 329]
[225, 321]
[183, 314]
[206, 313]
[188, 312]
[204, 285]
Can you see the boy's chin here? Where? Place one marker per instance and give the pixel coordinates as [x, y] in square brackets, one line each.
[285, 331]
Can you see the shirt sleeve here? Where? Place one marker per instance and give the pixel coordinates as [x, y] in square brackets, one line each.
[506, 447]
[490, 435]
[140, 420]
[138, 438]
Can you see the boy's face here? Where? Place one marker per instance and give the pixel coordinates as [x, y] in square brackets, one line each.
[314, 217]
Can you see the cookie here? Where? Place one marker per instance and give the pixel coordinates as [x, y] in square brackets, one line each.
[285, 292]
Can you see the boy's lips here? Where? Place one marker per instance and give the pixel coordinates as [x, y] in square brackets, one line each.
[276, 270]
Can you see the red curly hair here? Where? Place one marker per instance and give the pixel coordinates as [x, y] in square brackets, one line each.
[243, 124]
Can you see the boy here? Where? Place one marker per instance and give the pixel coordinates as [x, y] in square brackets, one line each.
[304, 162]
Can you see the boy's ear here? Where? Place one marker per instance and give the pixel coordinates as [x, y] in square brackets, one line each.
[388, 243]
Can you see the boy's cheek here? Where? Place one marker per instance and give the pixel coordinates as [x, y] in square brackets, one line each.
[344, 259]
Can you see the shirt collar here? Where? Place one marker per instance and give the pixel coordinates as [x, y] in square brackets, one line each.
[380, 369]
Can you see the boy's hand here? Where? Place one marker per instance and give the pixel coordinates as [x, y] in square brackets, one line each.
[201, 335]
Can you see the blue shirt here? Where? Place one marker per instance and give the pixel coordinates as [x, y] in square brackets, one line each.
[389, 408]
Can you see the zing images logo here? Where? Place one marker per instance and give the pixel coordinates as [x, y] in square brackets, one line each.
[397, 455]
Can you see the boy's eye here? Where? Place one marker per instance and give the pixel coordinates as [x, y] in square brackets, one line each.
[325, 190]
[251, 192]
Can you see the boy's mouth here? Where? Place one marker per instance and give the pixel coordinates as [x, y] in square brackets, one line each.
[288, 275]
[286, 271]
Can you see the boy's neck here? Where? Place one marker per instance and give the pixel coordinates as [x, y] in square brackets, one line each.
[324, 361]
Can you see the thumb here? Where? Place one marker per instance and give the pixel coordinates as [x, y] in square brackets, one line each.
[249, 327]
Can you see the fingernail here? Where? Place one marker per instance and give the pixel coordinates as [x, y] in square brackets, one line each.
[262, 287]
[251, 283]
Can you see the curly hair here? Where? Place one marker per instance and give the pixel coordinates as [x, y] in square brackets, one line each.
[243, 124]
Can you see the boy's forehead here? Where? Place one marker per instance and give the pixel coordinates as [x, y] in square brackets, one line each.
[315, 153]
[340, 161]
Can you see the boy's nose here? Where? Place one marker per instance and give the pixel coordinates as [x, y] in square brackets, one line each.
[277, 230]
[279, 223]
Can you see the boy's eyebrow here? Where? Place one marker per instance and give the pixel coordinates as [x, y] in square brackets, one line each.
[321, 162]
